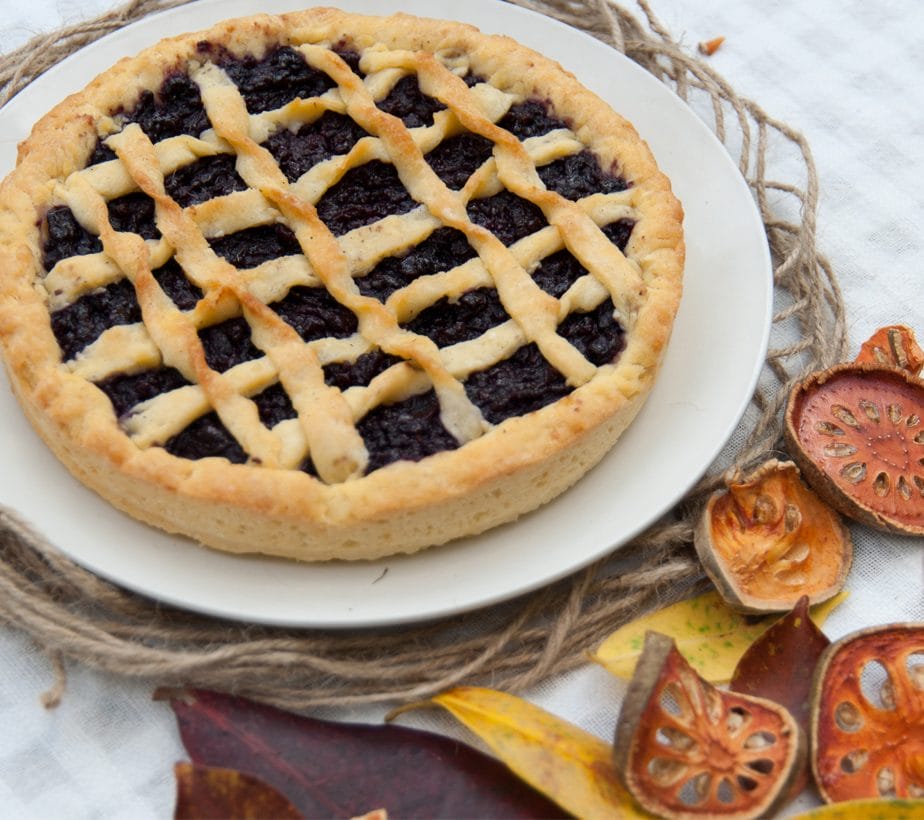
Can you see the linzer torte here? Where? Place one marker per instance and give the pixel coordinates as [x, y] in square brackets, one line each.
[323, 285]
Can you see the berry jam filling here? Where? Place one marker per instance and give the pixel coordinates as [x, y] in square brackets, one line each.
[175, 109]
[443, 250]
[228, 344]
[280, 77]
[364, 195]
[458, 157]
[530, 119]
[449, 322]
[515, 386]
[134, 213]
[343, 375]
[579, 175]
[171, 278]
[597, 334]
[330, 135]
[409, 429]
[126, 391]
[559, 271]
[204, 179]
[65, 236]
[254, 246]
[82, 322]
[315, 314]
[205, 437]
[407, 102]
[507, 216]
[274, 405]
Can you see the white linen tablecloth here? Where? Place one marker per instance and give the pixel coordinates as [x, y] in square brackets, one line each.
[848, 75]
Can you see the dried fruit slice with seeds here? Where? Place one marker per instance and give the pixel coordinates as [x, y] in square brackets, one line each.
[867, 722]
[857, 433]
[687, 749]
[767, 540]
[893, 346]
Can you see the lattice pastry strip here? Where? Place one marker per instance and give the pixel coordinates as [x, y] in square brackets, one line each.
[303, 399]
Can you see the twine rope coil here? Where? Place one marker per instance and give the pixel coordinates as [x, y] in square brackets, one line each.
[76, 616]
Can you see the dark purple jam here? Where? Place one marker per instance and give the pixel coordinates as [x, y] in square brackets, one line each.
[457, 158]
[443, 250]
[364, 195]
[65, 237]
[315, 314]
[175, 109]
[530, 118]
[173, 280]
[274, 405]
[407, 102]
[558, 272]
[579, 175]
[205, 437]
[515, 386]
[330, 135]
[343, 375]
[450, 322]
[597, 334]
[204, 179]
[507, 216]
[228, 344]
[254, 246]
[619, 232]
[127, 391]
[82, 322]
[409, 429]
[280, 77]
[134, 213]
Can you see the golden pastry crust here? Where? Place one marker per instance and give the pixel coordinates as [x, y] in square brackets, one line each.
[268, 505]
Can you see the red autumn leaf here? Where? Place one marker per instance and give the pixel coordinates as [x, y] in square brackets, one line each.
[779, 665]
[328, 769]
[203, 793]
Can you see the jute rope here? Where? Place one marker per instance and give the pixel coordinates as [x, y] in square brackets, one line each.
[76, 616]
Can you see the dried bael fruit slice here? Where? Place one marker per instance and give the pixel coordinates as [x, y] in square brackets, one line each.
[687, 749]
[768, 540]
[868, 715]
[893, 346]
[857, 434]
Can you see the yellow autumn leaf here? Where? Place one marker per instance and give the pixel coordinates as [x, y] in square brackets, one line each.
[709, 634]
[567, 764]
[882, 809]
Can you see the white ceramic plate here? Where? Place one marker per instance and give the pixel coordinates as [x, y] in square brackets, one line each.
[709, 375]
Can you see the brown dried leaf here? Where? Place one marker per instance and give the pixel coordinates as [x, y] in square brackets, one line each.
[205, 792]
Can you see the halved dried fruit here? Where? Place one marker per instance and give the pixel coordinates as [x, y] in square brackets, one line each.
[893, 346]
[857, 433]
[768, 540]
[687, 749]
[868, 715]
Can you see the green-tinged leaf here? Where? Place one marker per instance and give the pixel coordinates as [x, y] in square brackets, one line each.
[708, 633]
[882, 809]
[206, 792]
[571, 766]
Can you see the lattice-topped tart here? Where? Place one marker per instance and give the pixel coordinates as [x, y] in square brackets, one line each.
[330, 286]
